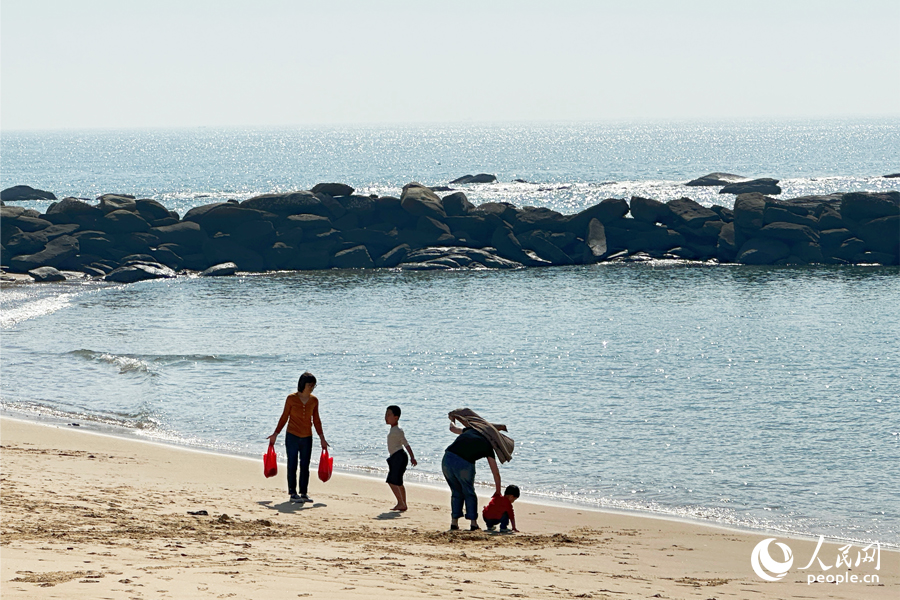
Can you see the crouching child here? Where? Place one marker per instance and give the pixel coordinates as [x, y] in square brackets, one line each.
[499, 510]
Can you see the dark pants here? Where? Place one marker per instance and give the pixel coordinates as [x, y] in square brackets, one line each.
[298, 447]
[460, 476]
[503, 521]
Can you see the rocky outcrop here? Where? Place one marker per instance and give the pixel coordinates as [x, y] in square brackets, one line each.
[131, 239]
[18, 193]
[715, 179]
[480, 178]
[763, 185]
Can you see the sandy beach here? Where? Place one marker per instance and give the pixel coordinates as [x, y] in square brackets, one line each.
[86, 515]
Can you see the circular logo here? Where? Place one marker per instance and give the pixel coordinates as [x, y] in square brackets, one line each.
[763, 564]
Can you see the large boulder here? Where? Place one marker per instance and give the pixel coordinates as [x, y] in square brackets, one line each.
[46, 275]
[689, 213]
[123, 221]
[776, 214]
[152, 210]
[881, 235]
[763, 185]
[186, 233]
[26, 242]
[332, 189]
[73, 210]
[310, 224]
[749, 212]
[56, 252]
[863, 206]
[419, 201]
[726, 246]
[227, 218]
[393, 257]
[113, 202]
[658, 239]
[26, 223]
[606, 211]
[456, 204]
[544, 219]
[220, 270]
[650, 210]
[504, 211]
[480, 178]
[137, 271]
[763, 251]
[714, 179]
[361, 208]
[356, 257]
[222, 248]
[541, 243]
[293, 203]
[789, 232]
[23, 192]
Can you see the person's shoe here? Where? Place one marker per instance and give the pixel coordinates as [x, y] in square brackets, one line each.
[474, 527]
[305, 498]
[491, 528]
[505, 530]
[295, 498]
[454, 528]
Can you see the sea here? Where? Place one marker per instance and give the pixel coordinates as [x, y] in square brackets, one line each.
[759, 398]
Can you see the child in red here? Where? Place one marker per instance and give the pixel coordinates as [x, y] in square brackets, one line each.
[500, 511]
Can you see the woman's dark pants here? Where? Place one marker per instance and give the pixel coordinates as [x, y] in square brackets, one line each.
[298, 447]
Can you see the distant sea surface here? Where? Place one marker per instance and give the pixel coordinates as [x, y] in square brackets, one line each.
[758, 397]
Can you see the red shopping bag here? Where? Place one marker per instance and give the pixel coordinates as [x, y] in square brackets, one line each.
[326, 464]
[270, 462]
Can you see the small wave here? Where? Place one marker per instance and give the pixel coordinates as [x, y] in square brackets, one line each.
[125, 362]
[33, 309]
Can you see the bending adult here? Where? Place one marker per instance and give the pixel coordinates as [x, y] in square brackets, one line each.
[301, 413]
[477, 439]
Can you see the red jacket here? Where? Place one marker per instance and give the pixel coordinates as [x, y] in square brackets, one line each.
[497, 506]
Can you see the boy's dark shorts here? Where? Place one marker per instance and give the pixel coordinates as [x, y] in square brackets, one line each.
[397, 467]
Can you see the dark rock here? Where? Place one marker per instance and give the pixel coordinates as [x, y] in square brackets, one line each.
[294, 203]
[480, 178]
[502, 210]
[310, 224]
[336, 209]
[18, 193]
[509, 247]
[348, 221]
[620, 231]
[790, 232]
[440, 188]
[138, 258]
[112, 202]
[333, 189]
[228, 218]
[457, 204]
[139, 272]
[161, 222]
[198, 211]
[123, 221]
[865, 206]
[312, 256]
[539, 241]
[186, 233]
[881, 235]
[220, 270]
[479, 226]
[596, 239]
[714, 179]
[891, 176]
[711, 229]
[726, 247]
[425, 266]
[431, 226]
[46, 274]
[255, 234]
[93, 242]
[831, 239]
[726, 215]
[167, 256]
[875, 258]
[749, 212]
[420, 201]
[776, 214]
[808, 252]
[54, 254]
[650, 210]
[829, 218]
[387, 203]
[152, 210]
[26, 243]
[850, 248]
[764, 185]
[762, 251]
[222, 248]
[689, 213]
[140, 242]
[544, 219]
[72, 210]
[393, 257]
[195, 262]
[657, 239]
[607, 211]
[31, 223]
[353, 258]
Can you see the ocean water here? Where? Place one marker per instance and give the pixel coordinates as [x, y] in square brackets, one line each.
[764, 398]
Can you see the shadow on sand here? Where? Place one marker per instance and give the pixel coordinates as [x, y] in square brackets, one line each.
[290, 507]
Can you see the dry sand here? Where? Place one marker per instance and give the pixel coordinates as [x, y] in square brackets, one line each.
[86, 515]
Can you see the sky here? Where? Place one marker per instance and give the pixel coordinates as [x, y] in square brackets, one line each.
[188, 63]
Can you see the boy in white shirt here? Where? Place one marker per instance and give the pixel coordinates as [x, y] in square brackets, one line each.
[397, 460]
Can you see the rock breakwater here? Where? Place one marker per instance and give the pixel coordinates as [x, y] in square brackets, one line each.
[122, 238]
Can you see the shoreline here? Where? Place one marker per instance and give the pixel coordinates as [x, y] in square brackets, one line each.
[416, 479]
[101, 509]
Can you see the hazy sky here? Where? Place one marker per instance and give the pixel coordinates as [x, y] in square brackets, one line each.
[137, 63]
